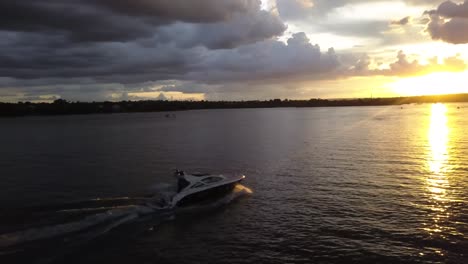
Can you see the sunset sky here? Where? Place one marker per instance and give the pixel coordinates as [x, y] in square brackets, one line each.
[93, 50]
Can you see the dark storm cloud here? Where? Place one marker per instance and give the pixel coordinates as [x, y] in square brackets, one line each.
[267, 60]
[449, 22]
[242, 29]
[74, 19]
[182, 10]
[100, 49]
[105, 20]
[202, 70]
[133, 63]
[48, 57]
[115, 40]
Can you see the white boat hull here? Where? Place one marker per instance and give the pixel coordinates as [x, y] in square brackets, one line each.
[198, 193]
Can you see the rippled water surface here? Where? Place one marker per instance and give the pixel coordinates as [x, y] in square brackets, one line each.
[324, 185]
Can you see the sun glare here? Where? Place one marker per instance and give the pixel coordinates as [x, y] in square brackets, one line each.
[438, 138]
[432, 84]
[437, 181]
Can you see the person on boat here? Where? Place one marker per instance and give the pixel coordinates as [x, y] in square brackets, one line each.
[181, 181]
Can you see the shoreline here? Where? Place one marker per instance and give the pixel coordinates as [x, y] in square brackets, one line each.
[63, 107]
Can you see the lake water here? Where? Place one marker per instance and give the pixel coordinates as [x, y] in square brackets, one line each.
[324, 185]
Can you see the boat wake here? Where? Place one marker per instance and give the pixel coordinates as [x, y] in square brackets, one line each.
[97, 220]
[120, 215]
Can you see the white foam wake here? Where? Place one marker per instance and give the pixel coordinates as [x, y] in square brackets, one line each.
[110, 219]
[114, 217]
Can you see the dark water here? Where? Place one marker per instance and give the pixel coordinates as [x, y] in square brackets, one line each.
[324, 185]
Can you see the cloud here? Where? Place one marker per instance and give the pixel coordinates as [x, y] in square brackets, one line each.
[294, 9]
[245, 69]
[114, 20]
[365, 29]
[242, 29]
[32, 56]
[187, 87]
[402, 66]
[422, 2]
[450, 10]
[348, 23]
[128, 65]
[113, 41]
[300, 9]
[402, 22]
[267, 60]
[449, 22]
[218, 24]
[111, 49]
[131, 62]
[181, 10]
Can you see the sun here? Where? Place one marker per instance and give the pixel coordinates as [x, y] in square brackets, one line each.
[431, 84]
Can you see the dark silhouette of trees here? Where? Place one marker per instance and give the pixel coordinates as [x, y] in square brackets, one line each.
[63, 107]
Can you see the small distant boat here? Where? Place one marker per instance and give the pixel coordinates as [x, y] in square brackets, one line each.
[200, 187]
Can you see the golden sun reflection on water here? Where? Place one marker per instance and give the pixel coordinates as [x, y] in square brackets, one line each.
[437, 162]
[438, 139]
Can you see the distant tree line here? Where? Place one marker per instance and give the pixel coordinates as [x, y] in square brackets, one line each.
[63, 107]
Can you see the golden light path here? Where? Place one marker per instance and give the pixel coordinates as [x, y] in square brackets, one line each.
[437, 162]
[438, 139]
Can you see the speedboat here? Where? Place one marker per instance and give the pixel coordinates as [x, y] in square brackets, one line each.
[199, 187]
